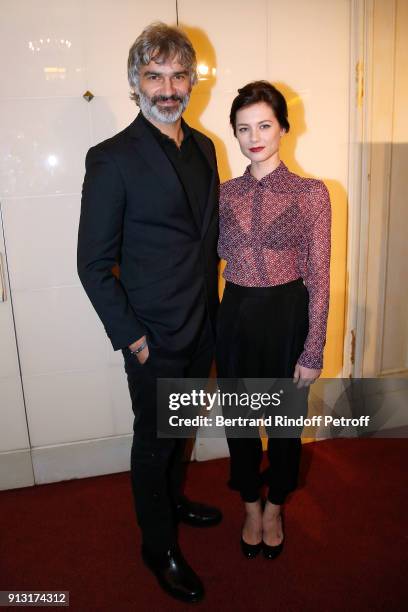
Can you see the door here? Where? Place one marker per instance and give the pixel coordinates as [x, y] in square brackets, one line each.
[383, 335]
[15, 458]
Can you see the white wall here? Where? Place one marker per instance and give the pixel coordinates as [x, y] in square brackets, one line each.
[303, 47]
[74, 384]
[78, 409]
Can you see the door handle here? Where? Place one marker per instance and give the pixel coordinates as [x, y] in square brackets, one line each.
[3, 295]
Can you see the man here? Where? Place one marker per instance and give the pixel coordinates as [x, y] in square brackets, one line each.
[149, 203]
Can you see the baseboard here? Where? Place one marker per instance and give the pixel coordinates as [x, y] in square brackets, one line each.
[16, 470]
[206, 448]
[81, 459]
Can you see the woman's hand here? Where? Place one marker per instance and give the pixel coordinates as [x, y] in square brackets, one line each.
[304, 377]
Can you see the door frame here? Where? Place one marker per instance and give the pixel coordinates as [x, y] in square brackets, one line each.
[362, 357]
[361, 41]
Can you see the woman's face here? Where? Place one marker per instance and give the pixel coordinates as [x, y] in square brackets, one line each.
[258, 132]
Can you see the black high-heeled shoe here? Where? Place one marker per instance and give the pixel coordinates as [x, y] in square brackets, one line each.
[271, 552]
[250, 551]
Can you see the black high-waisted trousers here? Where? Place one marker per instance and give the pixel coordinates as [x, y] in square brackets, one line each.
[261, 334]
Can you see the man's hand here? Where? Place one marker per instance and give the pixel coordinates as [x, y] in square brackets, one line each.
[304, 377]
[143, 356]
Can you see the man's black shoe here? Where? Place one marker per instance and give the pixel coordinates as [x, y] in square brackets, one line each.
[197, 515]
[174, 574]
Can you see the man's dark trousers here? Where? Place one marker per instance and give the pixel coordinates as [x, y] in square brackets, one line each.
[157, 464]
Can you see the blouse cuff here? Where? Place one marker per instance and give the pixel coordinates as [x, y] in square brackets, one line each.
[310, 360]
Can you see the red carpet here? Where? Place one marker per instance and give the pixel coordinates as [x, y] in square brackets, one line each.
[346, 539]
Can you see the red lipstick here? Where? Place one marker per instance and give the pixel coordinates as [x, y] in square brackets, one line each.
[256, 149]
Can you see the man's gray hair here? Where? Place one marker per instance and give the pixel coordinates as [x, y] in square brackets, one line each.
[160, 42]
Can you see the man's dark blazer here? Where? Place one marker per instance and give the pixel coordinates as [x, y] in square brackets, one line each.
[132, 215]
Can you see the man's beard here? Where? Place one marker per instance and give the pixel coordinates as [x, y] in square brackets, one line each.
[150, 109]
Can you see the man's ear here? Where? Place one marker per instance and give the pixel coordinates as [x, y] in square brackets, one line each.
[135, 93]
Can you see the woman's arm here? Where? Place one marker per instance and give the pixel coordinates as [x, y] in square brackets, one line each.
[317, 280]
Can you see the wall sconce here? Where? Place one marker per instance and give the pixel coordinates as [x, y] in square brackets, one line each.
[204, 72]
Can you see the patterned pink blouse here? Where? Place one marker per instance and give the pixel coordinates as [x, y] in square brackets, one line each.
[277, 230]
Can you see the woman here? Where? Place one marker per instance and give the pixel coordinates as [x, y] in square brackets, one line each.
[275, 238]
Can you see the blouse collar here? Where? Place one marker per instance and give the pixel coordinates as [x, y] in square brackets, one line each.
[280, 172]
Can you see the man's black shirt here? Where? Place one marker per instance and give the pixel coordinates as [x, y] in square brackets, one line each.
[189, 163]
